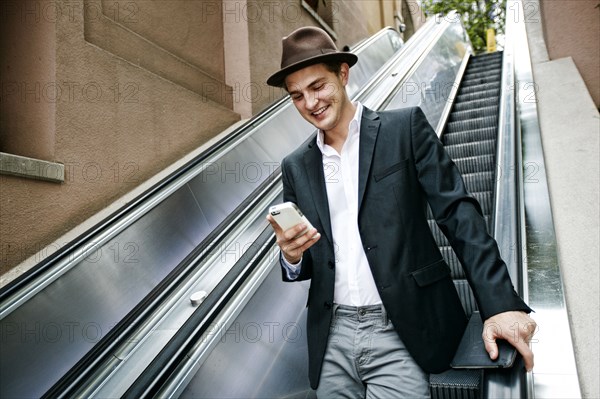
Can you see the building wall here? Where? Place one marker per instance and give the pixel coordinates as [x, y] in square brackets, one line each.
[127, 88]
[126, 96]
[572, 28]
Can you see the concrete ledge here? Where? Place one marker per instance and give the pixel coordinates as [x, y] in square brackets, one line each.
[31, 168]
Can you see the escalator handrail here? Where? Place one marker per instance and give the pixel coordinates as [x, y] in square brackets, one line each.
[42, 267]
[506, 223]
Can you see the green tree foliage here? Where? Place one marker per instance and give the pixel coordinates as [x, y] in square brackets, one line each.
[477, 16]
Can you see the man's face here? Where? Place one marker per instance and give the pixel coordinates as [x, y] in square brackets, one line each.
[319, 94]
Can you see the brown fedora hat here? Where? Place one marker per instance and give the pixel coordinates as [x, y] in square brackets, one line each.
[307, 46]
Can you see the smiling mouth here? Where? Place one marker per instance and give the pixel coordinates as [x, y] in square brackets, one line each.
[320, 110]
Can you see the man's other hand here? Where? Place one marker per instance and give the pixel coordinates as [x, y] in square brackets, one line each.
[515, 327]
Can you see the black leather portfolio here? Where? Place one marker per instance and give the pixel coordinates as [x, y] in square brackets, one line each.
[471, 353]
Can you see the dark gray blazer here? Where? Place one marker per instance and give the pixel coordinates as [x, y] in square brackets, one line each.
[402, 166]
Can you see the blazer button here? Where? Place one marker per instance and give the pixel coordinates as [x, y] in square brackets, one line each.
[327, 305]
[330, 264]
[368, 248]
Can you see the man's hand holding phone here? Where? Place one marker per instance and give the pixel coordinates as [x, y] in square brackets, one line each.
[294, 232]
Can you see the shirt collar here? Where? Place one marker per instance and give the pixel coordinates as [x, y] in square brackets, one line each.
[353, 128]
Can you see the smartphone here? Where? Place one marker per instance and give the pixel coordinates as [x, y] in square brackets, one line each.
[287, 215]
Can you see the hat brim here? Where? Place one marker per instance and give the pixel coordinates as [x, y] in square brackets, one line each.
[278, 78]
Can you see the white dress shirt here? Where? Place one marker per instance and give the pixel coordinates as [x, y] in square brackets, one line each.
[354, 283]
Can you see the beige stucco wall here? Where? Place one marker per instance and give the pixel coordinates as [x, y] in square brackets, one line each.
[572, 28]
[27, 70]
[118, 120]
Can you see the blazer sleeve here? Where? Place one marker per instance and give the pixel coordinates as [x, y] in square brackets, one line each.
[289, 194]
[460, 218]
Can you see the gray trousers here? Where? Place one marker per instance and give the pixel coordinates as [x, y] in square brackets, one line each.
[365, 358]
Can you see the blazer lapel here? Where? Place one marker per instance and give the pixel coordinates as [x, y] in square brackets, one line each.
[369, 128]
[313, 161]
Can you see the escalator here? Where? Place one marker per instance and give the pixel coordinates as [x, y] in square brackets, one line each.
[470, 140]
[138, 329]
[269, 327]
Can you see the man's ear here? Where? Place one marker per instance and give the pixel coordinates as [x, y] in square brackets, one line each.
[344, 73]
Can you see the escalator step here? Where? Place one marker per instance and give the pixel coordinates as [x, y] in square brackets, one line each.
[486, 200]
[479, 87]
[472, 124]
[440, 238]
[479, 96]
[489, 58]
[456, 384]
[476, 164]
[466, 296]
[474, 113]
[480, 181]
[479, 103]
[483, 58]
[468, 136]
[485, 147]
[470, 140]
[484, 68]
[480, 79]
[489, 63]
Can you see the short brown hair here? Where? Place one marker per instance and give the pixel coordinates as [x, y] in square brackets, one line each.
[335, 67]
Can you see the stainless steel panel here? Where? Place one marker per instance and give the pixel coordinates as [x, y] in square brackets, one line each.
[224, 184]
[372, 58]
[263, 354]
[281, 139]
[146, 342]
[431, 83]
[48, 334]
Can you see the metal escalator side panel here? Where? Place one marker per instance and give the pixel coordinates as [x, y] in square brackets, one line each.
[430, 85]
[55, 327]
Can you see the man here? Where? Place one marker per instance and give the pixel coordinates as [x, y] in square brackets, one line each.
[382, 309]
